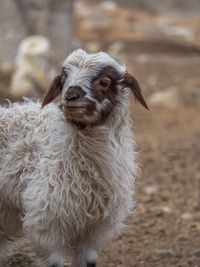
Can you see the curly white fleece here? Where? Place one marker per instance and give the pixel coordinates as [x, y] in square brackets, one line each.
[71, 189]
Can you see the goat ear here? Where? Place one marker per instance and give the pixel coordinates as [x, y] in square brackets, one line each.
[53, 91]
[131, 82]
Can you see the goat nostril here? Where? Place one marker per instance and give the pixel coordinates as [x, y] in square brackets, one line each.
[71, 97]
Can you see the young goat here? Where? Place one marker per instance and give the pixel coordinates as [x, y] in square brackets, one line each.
[67, 170]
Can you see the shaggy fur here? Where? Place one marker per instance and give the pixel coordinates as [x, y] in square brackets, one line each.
[67, 189]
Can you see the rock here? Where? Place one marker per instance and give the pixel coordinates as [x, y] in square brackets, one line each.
[168, 98]
[107, 21]
[188, 94]
[187, 216]
[108, 6]
[149, 190]
[166, 209]
[165, 252]
[34, 69]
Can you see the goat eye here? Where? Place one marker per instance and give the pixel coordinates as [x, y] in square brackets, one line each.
[105, 83]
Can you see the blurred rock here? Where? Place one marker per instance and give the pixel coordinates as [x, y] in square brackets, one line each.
[187, 216]
[164, 252]
[151, 189]
[166, 209]
[106, 21]
[34, 68]
[168, 98]
[163, 6]
[109, 6]
[188, 94]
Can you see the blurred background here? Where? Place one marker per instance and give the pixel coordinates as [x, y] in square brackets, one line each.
[159, 41]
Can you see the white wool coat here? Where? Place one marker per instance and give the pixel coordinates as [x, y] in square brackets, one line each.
[62, 185]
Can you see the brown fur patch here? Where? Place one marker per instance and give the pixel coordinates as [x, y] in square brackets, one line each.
[98, 91]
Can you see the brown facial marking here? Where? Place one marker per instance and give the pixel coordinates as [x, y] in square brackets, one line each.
[104, 84]
[89, 109]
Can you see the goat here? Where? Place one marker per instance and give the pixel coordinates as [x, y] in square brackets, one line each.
[67, 169]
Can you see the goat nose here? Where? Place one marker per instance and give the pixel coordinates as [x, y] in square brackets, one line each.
[74, 92]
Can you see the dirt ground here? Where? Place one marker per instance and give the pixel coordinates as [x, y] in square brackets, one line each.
[165, 230]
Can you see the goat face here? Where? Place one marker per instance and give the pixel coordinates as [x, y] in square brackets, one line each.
[90, 86]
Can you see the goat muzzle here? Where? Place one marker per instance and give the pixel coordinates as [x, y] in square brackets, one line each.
[74, 93]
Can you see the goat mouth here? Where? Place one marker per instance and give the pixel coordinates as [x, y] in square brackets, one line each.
[74, 108]
[74, 111]
[78, 110]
